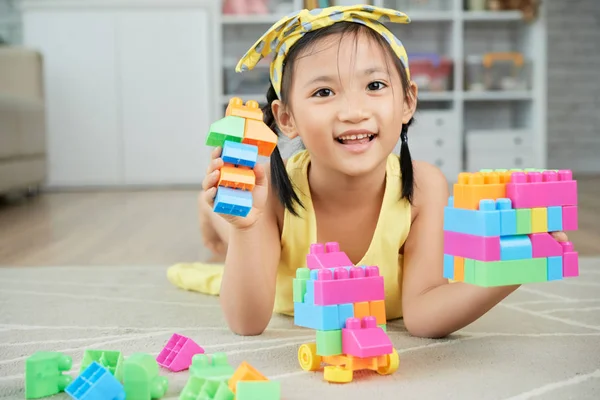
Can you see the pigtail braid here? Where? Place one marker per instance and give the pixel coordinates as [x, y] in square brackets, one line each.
[406, 166]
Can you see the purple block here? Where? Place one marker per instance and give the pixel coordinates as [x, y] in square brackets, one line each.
[481, 248]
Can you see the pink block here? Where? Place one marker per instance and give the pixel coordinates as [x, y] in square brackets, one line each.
[546, 189]
[366, 339]
[570, 260]
[481, 248]
[544, 245]
[569, 217]
[341, 286]
[328, 256]
[178, 352]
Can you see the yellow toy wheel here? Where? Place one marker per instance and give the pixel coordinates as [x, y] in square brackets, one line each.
[308, 358]
[337, 374]
[393, 362]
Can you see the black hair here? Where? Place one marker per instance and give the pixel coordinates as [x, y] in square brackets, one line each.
[279, 177]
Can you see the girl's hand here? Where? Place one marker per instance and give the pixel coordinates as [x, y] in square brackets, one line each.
[259, 194]
[560, 236]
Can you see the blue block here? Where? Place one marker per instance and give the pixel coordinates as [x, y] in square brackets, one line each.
[96, 383]
[233, 201]
[555, 222]
[448, 266]
[239, 154]
[321, 318]
[309, 296]
[517, 247]
[555, 268]
[345, 311]
[508, 217]
[482, 222]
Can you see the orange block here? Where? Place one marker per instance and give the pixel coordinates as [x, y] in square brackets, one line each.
[361, 309]
[474, 187]
[377, 310]
[237, 177]
[258, 134]
[459, 269]
[237, 108]
[245, 372]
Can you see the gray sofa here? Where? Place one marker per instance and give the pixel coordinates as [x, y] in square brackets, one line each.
[23, 166]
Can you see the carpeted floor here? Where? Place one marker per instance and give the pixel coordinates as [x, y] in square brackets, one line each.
[543, 342]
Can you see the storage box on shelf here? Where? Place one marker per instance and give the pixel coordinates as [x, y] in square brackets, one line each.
[431, 72]
[497, 71]
[419, 5]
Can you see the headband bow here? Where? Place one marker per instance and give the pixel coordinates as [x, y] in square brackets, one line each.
[287, 31]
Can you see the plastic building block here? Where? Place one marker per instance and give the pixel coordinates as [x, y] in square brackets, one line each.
[322, 318]
[569, 218]
[96, 383]
[502, 273]
[245, 372]
[542, 189]
[327, 256]
[141, 379]
[508, 217]
[258, 390]
[515, 247]
[250, 110]
[343, 286]
[329, 343]
[485, 248]
[178, 353]
[482, 222]
[555, 268]
[233, 201]
[215, 368]
[459, 268]
[198, 388]
[258, 134]
[237, 177]
[111, 360]
[230, 129]
[544, 245]
[570, 260]
[524, 221]
[471, 188]
[363, 338]
[377, 310]
[239, 154]
[539, 220]
[44, 374]
[555, 223]
[448, 266]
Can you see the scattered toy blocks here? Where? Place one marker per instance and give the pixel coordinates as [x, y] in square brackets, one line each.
[497, 227]
[198, 388]
[44, 374]
[96, 383]
[215, 368]
[111, 360]
[178, 353]
[141, 379]
[258, 390]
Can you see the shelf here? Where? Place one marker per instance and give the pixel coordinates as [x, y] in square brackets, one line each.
[497, 96]
[251, 19]
[418, 16]
[436, 96]
[490, 16]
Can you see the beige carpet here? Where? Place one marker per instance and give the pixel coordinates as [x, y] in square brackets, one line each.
[543, 342]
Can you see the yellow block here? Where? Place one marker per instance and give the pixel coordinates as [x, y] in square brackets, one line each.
[539, 220]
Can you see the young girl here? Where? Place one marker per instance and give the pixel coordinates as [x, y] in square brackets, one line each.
[340, 82]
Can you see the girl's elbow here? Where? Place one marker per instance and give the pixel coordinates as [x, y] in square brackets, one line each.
[421, 328]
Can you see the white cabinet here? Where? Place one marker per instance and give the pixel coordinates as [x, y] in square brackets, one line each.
[129, 89]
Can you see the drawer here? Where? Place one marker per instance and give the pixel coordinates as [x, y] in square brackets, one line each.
[500, 160]
[433, 123]
[499, 140]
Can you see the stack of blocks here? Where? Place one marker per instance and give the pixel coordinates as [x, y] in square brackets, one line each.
[243, 136]
[497, 227]
[345, 304]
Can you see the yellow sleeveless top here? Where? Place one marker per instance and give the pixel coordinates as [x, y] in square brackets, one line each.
[389, 236]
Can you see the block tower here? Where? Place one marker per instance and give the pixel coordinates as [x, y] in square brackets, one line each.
[345, 304]
[497, 227]
[243, 136]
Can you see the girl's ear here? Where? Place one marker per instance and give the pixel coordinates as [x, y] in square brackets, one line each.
[410, 105]
[284, 119]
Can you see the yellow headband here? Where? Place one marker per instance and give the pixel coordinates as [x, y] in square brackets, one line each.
[287, 31]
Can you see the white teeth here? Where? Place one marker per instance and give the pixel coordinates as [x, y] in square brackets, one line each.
[355, 137]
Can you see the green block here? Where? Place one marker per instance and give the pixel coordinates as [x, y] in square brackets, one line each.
[258, 390]
[329, 343]
[198, 388]
[524, 221]
[299, 287]
[217, 368]
[512, 272]
[383, 326]
[229, 128]
[111, 360]
[44, 374]
[141, 379]
[469, 271]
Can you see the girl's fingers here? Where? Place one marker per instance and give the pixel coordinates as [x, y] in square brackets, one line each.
[209, 196]
[260, 175]
[211, 180]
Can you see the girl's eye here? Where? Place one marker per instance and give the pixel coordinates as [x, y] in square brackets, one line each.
[323, 93]
[376, 85]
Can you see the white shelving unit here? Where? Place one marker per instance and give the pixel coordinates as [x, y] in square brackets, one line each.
[458, 129]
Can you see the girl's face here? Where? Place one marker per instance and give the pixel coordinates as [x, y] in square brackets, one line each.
[346, 103]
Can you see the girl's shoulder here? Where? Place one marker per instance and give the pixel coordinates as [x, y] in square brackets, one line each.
[431, 188]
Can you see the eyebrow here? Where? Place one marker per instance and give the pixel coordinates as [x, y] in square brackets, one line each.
[330, 78]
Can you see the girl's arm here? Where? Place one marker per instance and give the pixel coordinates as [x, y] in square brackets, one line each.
[248, 288]
[433, 307]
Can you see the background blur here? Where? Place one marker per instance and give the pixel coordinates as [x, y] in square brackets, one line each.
[104, 106]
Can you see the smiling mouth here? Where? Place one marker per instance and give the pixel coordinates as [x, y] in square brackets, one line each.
[356, 139]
